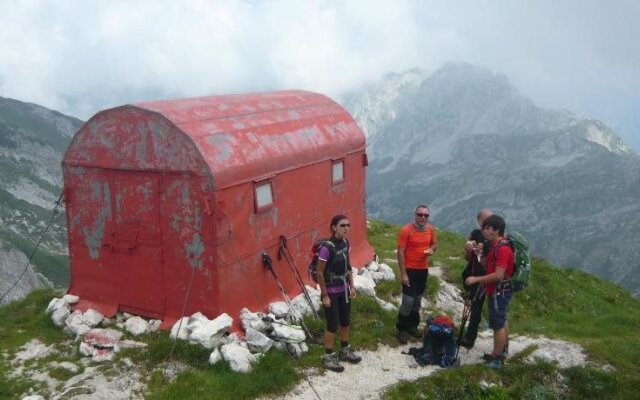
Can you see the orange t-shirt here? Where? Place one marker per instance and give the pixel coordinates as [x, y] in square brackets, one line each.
[415, 243]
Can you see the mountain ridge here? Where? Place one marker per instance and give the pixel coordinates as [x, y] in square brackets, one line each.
[464, 139]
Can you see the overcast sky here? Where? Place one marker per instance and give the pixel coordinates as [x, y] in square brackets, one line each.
[79, 57]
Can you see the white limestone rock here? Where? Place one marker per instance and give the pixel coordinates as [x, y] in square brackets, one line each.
[55, 304]
[383, 273]
[33, 349]
[364, 283]
[215, 356]
[70, 298]
[253, 320]
[238, 357]
[60, 315]
[257, 342]
[154, 325]
[136, 326]
[210, 334]
[92, 318]
[105, 338]
[279, 309]
[76, 324]
[288, 333]
[179, 329]
[300, 305]
[86, 349]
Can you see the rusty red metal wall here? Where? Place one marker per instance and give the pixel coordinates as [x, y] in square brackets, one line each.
[160, 200]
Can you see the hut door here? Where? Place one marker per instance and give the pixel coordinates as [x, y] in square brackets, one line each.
[138, 241]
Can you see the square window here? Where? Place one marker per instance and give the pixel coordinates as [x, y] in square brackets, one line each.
[264, 196]
[337, 172]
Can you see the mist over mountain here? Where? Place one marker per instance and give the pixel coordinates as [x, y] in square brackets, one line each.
[33, 140]
[464, 138]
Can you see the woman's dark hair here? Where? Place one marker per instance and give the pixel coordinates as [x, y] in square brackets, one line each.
[496, 222]
[335, 220]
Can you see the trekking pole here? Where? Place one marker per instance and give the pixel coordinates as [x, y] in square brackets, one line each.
[283, 251]
[267, 263]
[466, 310]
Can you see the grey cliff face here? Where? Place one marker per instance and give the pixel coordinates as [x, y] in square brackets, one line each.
[464, 139]
[32, 144]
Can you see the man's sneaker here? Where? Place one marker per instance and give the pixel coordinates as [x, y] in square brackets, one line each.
[330, 362]
[413, 331]
[464, 342]
[348, 355]
[403, 337]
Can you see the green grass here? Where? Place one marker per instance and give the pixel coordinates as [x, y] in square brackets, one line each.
[565, 304]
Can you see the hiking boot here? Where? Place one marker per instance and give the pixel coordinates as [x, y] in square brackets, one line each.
[464, 342]
[403, 337]
[348, 355]
[413, 331]
[330, 362]
[495, 362]
[490, 356]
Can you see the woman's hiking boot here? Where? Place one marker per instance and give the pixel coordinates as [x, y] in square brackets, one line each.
[465, 342]
[348, 355]
[330, 362]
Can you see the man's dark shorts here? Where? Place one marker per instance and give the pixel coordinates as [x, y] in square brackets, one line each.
[498, 306]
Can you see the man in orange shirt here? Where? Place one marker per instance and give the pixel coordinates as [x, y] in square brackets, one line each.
[416, 242]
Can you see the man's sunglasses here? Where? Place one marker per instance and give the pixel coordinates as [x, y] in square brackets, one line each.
[344, 225]
[422, 215]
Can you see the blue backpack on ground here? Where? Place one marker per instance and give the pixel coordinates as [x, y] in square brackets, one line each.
[438, 344]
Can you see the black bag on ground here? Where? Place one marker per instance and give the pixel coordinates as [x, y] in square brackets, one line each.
[438, 344]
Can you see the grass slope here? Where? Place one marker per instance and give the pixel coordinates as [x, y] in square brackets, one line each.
[564, 304]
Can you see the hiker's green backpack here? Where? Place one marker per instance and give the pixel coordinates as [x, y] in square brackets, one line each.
[522, 261]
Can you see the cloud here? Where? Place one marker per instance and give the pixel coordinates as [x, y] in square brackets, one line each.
[79, 57]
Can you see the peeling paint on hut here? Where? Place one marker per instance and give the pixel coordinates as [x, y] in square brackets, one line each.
[170, 204]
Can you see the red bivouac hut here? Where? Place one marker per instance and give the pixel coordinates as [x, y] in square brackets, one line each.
[170, 204]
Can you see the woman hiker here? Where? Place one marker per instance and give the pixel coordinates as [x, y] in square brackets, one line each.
[335, 278]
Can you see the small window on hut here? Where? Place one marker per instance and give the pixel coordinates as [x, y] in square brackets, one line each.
[264, 195]
[337, 171]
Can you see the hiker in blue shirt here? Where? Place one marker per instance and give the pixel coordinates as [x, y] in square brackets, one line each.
[337, 290]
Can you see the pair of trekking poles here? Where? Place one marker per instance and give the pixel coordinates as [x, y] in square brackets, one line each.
[283, 252]
[466, 311]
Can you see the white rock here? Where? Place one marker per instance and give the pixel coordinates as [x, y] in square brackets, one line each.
[33, 349]
[279, 308]
[238, 357]
[303, 347]
[300, 306]
[179, 329]
[33, 397]
[257, 342]
[128, 344]
[55, 304]
[126, 315]
[294, 349]
[69, 366]
[373, 266]
[384, 273]
[102, 355]
[253, 320]
[107, 338]
[289, 333]
[215, 356]
[76, 324]
[136, 325]
[154, 325]
[386, 305]
[196, 320]
[86, 349]
[60, 315]
[92, 317]
[70, 298]
[209, 334]
[365, 284]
